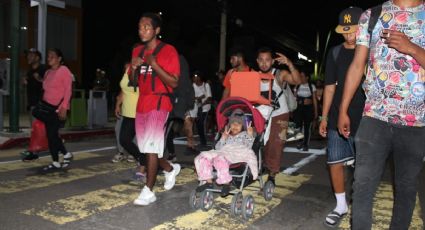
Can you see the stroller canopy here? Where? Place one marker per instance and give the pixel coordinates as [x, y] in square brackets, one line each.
[226, 106]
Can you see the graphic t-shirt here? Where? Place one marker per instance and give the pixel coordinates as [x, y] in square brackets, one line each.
[395, 82]
[149, 99]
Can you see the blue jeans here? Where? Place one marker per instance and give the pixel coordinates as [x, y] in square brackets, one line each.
[375, 140]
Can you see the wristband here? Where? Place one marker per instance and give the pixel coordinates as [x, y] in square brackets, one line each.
[323, 118]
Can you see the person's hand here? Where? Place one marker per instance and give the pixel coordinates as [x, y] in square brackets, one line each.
[151, 60]
[323, 126]
[226, 133]
[282, 59]
[397, 40]
[250, 129]
[136, 62]
[118, 111]
[62, 113]
[344, 124]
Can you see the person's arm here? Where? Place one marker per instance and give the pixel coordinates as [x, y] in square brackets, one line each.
[67, 86]
[399, 41]
[208, 94]
[293, 75]
[316, 111]
[352, 81]
[328, 95]
[118, 104]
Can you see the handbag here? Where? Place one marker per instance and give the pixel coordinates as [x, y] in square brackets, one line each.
[291, 100]
[44, 111]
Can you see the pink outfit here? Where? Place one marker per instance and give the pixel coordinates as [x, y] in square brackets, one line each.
[57, 86]
[235, 149]
[150, 131]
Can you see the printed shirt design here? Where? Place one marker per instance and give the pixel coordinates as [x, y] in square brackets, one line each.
[395, 82]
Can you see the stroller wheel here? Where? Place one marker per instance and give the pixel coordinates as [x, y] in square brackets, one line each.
[248, 207]
[194, 200]
[236, 206]
[268, 190]
[207, 200]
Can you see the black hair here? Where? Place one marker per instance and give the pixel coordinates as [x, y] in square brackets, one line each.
[155, 18]
[59, 53]
[237, 51]
[265, 49]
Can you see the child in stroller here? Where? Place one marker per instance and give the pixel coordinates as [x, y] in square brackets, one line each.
[245, 164]
[234, 146]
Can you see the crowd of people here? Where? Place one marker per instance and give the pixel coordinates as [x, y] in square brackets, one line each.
[388, 99]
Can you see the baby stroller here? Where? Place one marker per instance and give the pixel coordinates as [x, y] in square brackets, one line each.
[241, 175]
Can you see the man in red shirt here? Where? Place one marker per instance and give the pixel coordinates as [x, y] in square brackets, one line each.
[237, 61]
[155, 65]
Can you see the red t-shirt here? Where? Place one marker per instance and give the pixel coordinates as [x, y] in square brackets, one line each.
[168, 59]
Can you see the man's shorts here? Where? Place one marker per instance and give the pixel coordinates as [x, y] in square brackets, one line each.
[150, 131]
[340, 149]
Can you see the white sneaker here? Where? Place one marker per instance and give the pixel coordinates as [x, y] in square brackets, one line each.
[170, 177]
[146, 197]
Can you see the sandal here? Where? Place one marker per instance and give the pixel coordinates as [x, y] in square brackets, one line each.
[50, 169]
[67, 160]
[333, 218]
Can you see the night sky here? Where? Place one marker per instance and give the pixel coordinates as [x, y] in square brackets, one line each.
[192, 26]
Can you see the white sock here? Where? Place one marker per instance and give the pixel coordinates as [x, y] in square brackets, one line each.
[341, 203]
[68, 155]
[56, 164]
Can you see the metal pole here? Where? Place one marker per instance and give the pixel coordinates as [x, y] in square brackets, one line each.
[316, 64]
[223, 33]
[14, 67]
[325, 51]
[41, 35]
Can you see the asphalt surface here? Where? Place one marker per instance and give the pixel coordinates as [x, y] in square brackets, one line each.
[95, 193]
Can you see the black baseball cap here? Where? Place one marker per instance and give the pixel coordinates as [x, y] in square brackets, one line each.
[348, 20]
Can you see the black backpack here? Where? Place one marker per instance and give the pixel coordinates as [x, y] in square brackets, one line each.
[182, 97]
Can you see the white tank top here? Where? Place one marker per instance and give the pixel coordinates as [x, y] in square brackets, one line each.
[282, 100]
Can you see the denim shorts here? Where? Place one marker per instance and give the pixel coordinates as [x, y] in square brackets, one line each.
[340, 149]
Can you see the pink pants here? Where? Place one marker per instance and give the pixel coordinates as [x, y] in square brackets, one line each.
[204, 168]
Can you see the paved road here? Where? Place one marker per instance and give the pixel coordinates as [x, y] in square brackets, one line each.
[97, 194]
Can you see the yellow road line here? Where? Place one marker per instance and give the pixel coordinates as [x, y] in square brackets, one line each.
[42, 162]
[40, 181]
[81, 206]
[219, 216]
[382, 210]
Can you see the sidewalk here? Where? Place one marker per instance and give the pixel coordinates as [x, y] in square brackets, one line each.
[10, 140]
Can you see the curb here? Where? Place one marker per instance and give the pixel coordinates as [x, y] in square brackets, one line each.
[12, 142]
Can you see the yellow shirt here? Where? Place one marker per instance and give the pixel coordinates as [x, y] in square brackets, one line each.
[129, 104]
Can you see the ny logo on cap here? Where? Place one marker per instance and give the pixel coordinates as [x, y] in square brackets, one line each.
[347, 18]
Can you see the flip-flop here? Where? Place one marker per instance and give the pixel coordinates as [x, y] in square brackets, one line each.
[335, 217]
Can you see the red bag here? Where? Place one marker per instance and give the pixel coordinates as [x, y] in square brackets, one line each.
[38, 140]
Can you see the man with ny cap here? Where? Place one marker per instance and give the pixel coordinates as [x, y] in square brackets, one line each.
[340, 150]
[393, 119]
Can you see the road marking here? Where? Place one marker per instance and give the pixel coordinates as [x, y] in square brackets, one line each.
[300, 164]
[81, 206]
[40, 181]
[77, 152]
[382, 210]
[219, 216]
[43, 161]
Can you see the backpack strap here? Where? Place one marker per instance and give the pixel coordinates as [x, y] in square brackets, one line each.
[375, 13]
[335, 51]
[154, 53]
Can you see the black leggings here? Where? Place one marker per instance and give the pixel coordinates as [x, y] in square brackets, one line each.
[54, 140]
[127, 134]
[304, 115]
[201, 122]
